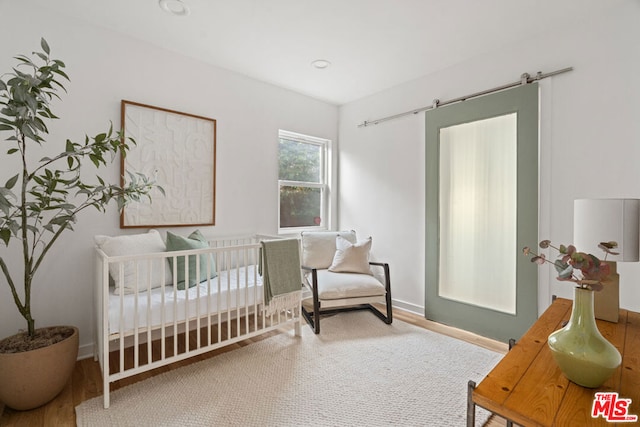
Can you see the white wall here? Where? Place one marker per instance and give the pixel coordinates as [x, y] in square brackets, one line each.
[590, 144]
[106, 67]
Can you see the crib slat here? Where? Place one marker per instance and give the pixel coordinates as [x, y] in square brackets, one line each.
[150, 270]
[175, 306]
[219, 299]
[186, 301]
[121, 275]
[237, 292]
[229, 266]
[255, 293]
[136, 335]
[103, 332]
[198, 345]
[163, 315]
[245, 255]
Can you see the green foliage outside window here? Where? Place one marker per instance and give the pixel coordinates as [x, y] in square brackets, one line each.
[300, 206]
[299, 161]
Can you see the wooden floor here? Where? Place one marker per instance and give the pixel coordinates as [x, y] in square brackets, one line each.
[86, 381]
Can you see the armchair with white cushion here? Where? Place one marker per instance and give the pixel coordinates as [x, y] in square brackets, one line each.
[341, 277]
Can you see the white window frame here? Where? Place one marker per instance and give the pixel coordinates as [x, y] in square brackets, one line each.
[325, 174]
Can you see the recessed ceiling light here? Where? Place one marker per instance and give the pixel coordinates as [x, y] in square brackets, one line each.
[174, 7]
[321, 64]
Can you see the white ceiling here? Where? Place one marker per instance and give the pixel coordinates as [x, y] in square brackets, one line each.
[372, 44]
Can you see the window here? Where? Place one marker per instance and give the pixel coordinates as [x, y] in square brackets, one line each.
[302, 178]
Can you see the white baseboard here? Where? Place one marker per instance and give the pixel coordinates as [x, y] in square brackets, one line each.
[406, 306]
[85, 351]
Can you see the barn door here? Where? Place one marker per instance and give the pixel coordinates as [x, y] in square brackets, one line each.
[482, 208]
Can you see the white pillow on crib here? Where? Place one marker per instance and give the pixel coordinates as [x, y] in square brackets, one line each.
[134, 244]
[351, 257]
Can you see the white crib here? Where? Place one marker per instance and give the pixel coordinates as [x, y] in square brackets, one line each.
[156, 326]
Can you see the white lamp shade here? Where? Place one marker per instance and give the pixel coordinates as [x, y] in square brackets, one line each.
[604, 220]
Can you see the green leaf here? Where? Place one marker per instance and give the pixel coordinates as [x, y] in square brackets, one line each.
[5, 204]
[11, 151]
[44, 45]
[11, 182]
[6, 127]
[26, 130]
[24, 59]
[5, 235]
[564, 270]
[62, 73]
[95, 159]
[39, 124]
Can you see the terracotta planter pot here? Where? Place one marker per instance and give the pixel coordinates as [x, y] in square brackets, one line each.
[32, 378]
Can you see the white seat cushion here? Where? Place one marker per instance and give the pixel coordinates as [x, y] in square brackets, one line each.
[346, 285]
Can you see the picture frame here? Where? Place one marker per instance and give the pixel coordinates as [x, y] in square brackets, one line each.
[178, 151]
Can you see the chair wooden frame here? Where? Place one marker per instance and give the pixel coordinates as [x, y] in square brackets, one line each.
[331, 306]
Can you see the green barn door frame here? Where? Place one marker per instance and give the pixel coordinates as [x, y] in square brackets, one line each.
[518, 106]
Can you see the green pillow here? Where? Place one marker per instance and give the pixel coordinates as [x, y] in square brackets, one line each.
[195, 241]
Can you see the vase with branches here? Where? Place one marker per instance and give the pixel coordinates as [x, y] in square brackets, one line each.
[582, 353]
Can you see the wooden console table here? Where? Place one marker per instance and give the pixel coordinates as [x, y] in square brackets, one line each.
[527, 388]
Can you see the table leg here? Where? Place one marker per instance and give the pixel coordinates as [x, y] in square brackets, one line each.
[471, 407]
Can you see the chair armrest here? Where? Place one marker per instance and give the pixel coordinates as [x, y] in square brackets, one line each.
[387, 278]
[314, 278]
[313, 285]
[381, 264]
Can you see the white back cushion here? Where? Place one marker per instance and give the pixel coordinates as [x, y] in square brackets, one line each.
[319, 247]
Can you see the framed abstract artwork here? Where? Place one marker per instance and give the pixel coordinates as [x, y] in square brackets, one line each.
[178, 151]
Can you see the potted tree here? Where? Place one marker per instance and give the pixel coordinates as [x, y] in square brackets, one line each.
[41, 200]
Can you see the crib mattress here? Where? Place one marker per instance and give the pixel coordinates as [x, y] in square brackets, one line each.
[231, 289]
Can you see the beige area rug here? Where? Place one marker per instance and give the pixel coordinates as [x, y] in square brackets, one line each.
[357, 372]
